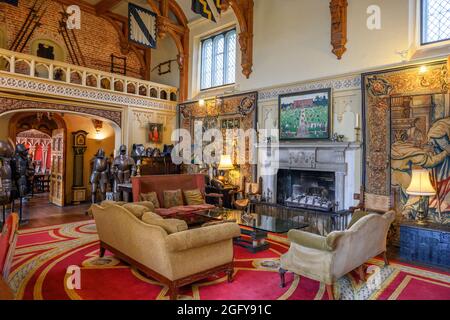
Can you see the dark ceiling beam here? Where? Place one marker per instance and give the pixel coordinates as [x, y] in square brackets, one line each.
[105, 5]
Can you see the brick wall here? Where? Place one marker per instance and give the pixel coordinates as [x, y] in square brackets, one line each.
[97, 37]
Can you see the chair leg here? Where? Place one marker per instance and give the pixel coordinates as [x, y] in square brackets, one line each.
[102, 252]
[282, 273]
[173, 292]
[230, 275]
[330, 291]
[386, 261]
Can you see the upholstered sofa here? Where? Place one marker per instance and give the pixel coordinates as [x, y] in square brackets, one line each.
[173, 258]
[159, 184]
[326, 259]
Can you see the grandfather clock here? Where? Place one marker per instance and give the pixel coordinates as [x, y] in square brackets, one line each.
[79, 148]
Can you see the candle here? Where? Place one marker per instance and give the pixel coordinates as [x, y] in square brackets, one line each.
[357, 120]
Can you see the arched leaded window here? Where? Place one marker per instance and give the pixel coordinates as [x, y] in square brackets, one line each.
[218, 60]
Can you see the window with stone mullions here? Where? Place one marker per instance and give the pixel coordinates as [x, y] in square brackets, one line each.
[435, 15]
[218, 61]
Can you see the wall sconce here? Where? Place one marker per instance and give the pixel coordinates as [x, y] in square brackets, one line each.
[423, 70]
[201, 102]
[98, 125]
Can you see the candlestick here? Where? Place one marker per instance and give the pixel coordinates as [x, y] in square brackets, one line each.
[357, 124]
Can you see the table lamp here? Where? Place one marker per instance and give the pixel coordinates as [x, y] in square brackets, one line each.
[225, 164]
[421, 186]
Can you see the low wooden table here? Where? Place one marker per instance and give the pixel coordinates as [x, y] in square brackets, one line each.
[259, 226]
[5, 291]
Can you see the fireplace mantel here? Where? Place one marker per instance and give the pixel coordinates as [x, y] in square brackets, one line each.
[326, 156]
[319, 156]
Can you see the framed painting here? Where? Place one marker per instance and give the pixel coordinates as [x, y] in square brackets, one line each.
[305, 115]
[155, 132]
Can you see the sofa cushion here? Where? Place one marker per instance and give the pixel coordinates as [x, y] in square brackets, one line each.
[106, 203]
[151, 216]
[152, 197]
[169, 225]
[173, 198]
[193, 197]
[136, 209]
[150, 206]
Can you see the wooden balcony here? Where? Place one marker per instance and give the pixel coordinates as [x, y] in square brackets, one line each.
[26, 73]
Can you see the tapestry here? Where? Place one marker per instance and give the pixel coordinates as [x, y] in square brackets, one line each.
[230, 112]
[407, 126]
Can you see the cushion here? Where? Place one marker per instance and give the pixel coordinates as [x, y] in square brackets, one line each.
[151, 216]
[356, 216]
[150, 206]
[137, 210]
[193, 197]
[152, 197]
[173, 198]
[169, 225]
[106, 203]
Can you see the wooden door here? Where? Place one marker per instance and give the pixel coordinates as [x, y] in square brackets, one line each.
[58, 168]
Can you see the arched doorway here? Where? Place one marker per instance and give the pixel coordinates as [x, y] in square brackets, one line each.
[45, 136]
[30, 125]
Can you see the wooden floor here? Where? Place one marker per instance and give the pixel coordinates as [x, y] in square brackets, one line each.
[38, 212]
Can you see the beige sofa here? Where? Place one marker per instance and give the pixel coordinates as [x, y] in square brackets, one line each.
[175, 259]
[326, 259]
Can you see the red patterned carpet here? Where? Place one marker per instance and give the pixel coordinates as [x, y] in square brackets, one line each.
[44, 254]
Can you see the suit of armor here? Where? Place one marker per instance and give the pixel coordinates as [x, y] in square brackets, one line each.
[123, 169]
[100, 175]
[22, 170]
[6, 185]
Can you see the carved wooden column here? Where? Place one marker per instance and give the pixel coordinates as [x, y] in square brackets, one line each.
[338, 10]
[243, 9]
[79, 148]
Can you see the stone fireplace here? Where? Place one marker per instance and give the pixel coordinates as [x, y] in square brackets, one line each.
[324, 170]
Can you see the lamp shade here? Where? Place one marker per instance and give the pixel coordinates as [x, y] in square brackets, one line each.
[420, 184]
[225, 163]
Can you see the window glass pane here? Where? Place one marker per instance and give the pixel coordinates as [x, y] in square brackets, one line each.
[218, 60]
[219, 46]
[231, 57]
[435, 20]
[206, 64]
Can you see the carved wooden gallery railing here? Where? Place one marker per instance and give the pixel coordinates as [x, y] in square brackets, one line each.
[35, 67]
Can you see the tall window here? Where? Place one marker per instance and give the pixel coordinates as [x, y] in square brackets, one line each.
[218, 60]
[435, 20]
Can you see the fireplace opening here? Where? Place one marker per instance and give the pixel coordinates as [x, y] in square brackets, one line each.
[306, 189]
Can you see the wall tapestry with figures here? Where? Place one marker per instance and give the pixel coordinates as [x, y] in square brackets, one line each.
[407, 126]
[229, 112]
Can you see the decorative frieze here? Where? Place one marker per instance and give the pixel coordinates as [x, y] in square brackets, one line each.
[352, 82]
